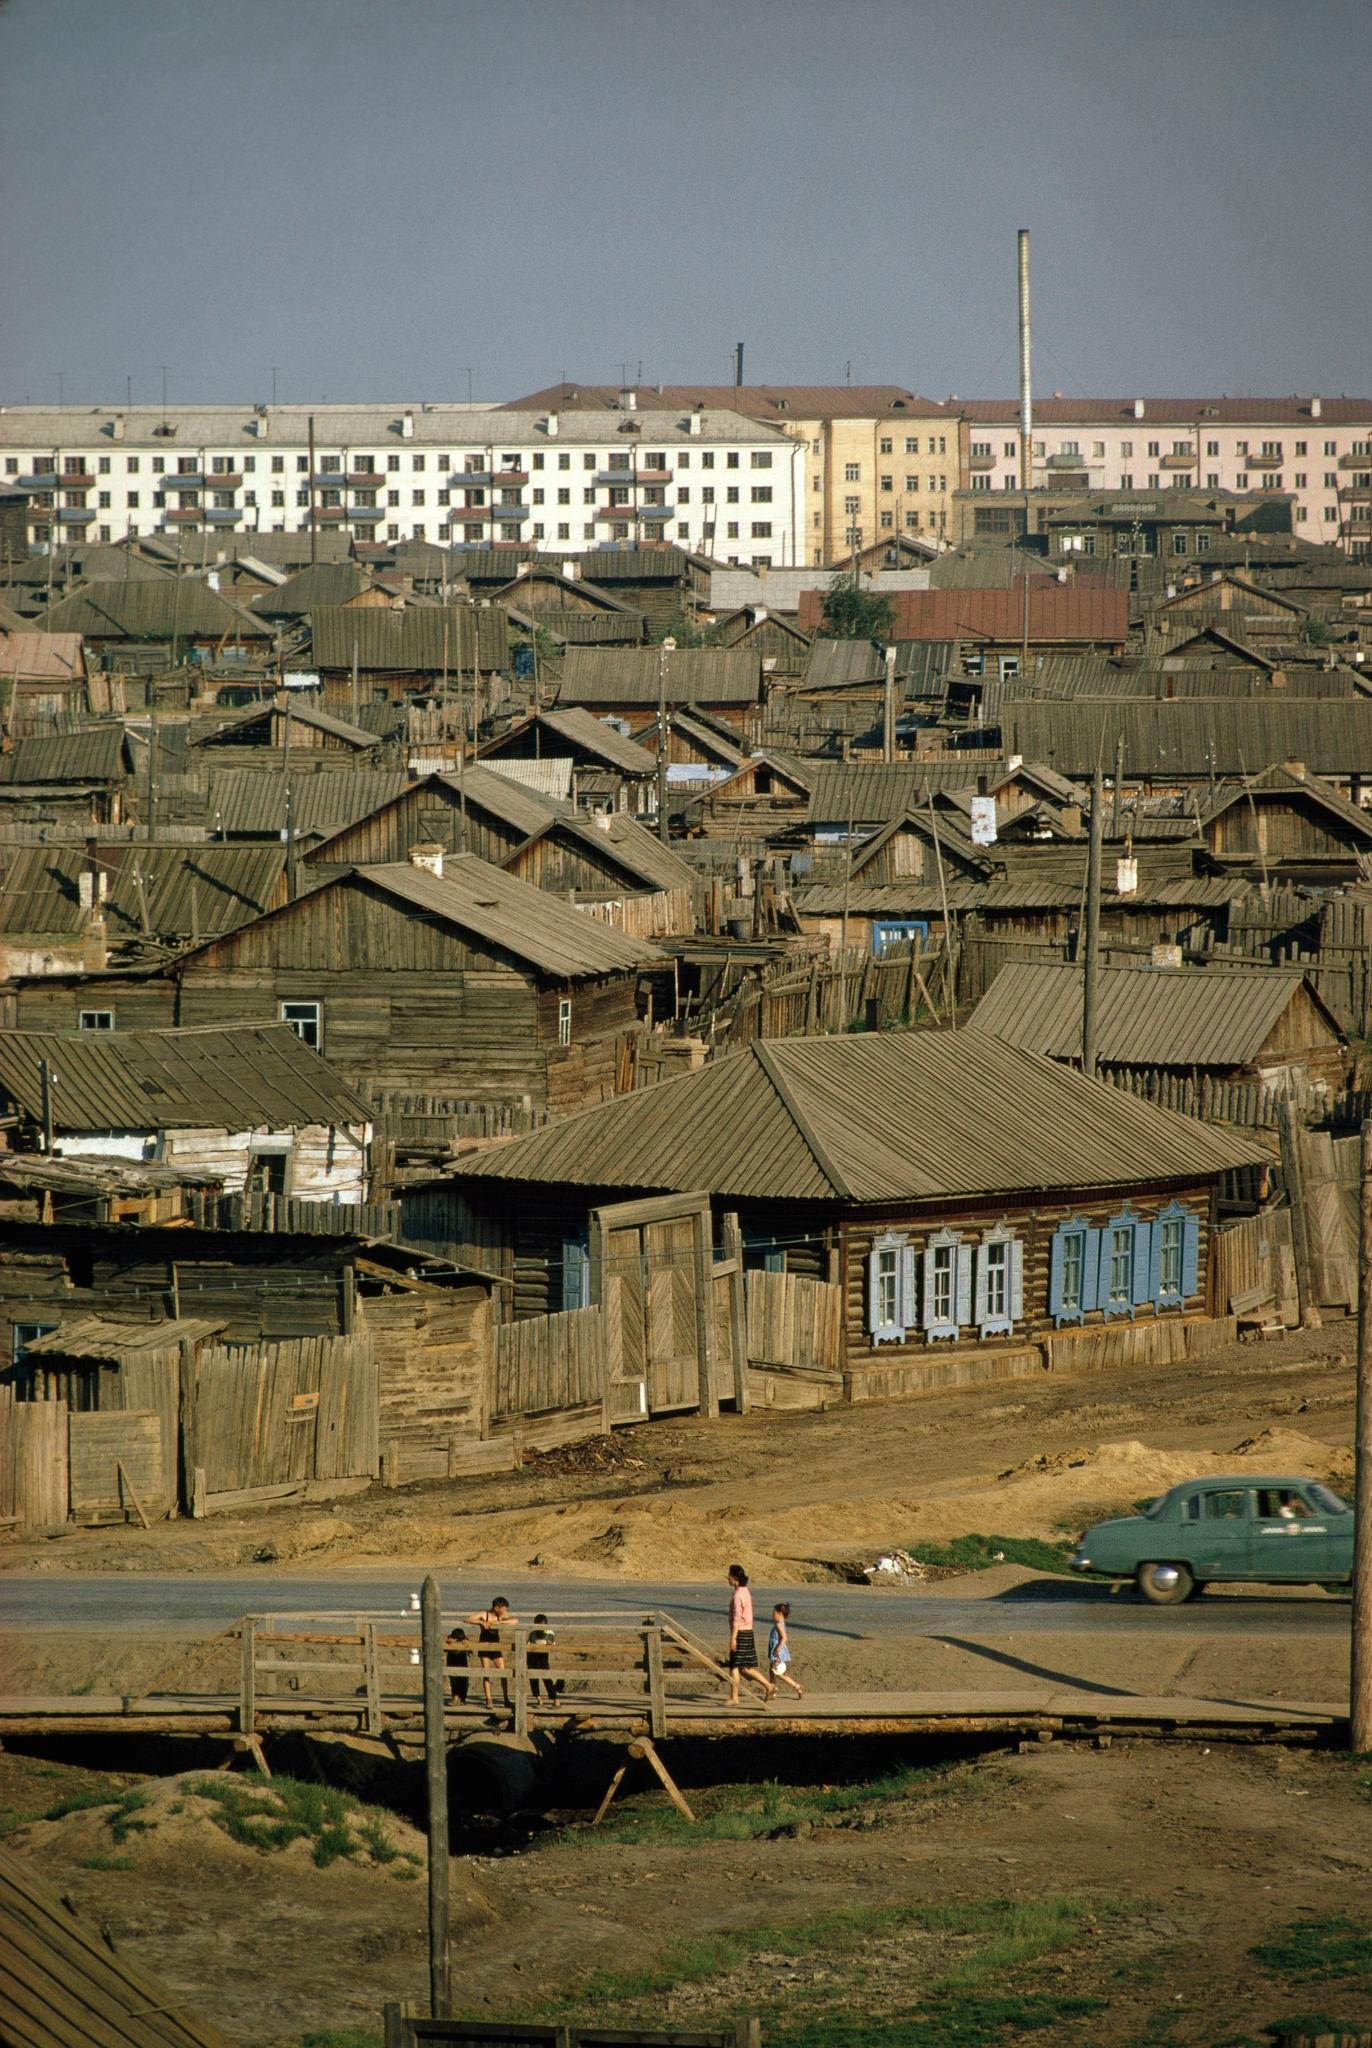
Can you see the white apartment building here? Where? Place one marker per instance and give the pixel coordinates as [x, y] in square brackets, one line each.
[704, 478]
[1319, 450]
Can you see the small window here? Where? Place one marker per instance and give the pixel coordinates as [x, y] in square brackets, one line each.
[95, 1020]
[1120, 1273]
[564, 1021]
[1000, 1285]
[306, 1021]
[947, 1284]
[24, 1334]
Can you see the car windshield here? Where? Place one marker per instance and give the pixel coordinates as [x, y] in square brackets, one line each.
[1155, 1507]
[1328, 1501]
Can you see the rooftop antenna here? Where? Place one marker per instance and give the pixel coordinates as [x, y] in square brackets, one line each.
[273, 383]
[128, 388]
[738, 365]
[164, 395]
[848, 371]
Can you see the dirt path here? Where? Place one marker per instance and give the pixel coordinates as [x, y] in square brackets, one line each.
[798, 1493]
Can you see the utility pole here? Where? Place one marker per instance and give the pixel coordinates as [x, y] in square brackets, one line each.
[663, 828]
[314, 523]
[1026, 407]
[1360, 1691]
[152, 754]
[436, 1778]
[1091, 964]
[888, 708]
[47, 1078]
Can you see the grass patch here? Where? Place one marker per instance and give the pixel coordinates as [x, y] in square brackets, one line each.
[104, 1792]
[976, 1553]
[340, 2037]
[744, 1813]
[1313, 1949]
[270, 1813]
[105, 1861]
[967, 2004]
[124, 1820]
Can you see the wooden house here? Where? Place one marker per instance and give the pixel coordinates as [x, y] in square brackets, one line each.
[1244, 1024]
[248, 1106]
[175, 613]
[957, 1193]
[1062, 617]
[85, 906]
[67, 778]
[564, 605]
[41, 675]
[1177, 748]
[1286, 824]
[448, 977]
[247, 803]
[300, 735]
[608, 862]
[610, 772]
[629, 683]
[778, 640]
[399, 654]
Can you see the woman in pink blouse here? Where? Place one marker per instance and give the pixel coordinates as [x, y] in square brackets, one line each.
[743, 1660]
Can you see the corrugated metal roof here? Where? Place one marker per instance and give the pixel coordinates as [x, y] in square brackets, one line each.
[1194, 739]
[1050, 892]
[835, 663]
[416, 639]
[1146, 1016]
[186, 889]
[97, 1337]
[639, 675]
[535, 927]
[1283, 781]
[874, 792]
[253, 800]
[871, 1119]
[171, 607]
[1057, 611]
[217, 1077]
[236, 732]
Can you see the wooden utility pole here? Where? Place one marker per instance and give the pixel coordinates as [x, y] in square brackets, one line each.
[1091, 963]
[314, 522]
[888, 708]
[663, 826]
[1293, 1173]
[436, 1777]
[1360, 1692]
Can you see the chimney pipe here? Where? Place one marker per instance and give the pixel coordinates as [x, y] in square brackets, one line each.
[1316, 408]
[1026, 402]
[738, 365]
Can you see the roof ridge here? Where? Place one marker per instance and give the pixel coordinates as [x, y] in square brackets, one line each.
[767, 1060]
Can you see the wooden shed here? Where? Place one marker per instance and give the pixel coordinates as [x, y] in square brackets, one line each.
[1287, 824]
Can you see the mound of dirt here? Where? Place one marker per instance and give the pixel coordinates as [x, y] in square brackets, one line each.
[213, 1821]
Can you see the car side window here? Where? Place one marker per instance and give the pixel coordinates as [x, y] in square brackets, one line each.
[1227, 1506]
[1191, 1508]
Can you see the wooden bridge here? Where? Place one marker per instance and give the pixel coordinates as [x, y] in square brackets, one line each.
[362, 1676]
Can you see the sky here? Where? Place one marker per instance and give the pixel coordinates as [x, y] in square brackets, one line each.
[431, 199]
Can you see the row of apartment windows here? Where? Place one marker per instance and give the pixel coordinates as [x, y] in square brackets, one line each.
[955, 1283]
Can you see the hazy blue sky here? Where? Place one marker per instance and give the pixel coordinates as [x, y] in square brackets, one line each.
[377, 195]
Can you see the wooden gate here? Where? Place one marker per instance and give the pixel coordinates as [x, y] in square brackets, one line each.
[677, 1351]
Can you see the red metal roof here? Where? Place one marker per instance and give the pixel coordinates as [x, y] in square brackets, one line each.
[1092, 616]
[774, 402]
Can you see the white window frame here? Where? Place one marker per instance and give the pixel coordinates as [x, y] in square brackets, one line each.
[891, 1287]
[947, 1284]
[95, 1020]
[564, 1020]
[296, 1012]
[1000, 1260]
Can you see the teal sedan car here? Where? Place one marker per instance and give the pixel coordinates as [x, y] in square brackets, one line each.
[1273, 1531]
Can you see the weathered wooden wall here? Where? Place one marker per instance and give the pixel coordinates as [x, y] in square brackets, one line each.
[34, 1483]
[116, 1459]
[558, 1361]
[433, 1359]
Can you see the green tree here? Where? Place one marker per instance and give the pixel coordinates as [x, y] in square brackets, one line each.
[851, 613]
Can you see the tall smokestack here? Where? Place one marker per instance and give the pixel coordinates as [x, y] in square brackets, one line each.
[738, 365]
[1026, 402]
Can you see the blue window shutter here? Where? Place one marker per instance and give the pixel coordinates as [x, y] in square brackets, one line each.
[928, 1317]
[909, 1286]
[1090, 1271]
[1016, 1279]
[1143, 1264]
[1154, 1259]
[964, 1285]
[873, 1297]
[576, 1274]
[1055, 1265]
[1190, 1257]
[978, 1315]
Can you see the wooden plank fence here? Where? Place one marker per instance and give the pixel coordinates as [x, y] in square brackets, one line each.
[1250, 1104]
[847, 990]
[284, 1213]
[34, 1484]
[794, 1336]
[545, 1363]
[1254, 1266]
[259, 1416]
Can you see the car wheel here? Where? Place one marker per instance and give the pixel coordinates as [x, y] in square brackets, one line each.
[1164, 1585]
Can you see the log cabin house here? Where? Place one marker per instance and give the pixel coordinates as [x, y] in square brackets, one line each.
[1287, 825]
[629, 683]
[958, 1193]
[450, 977]
[610, 772]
